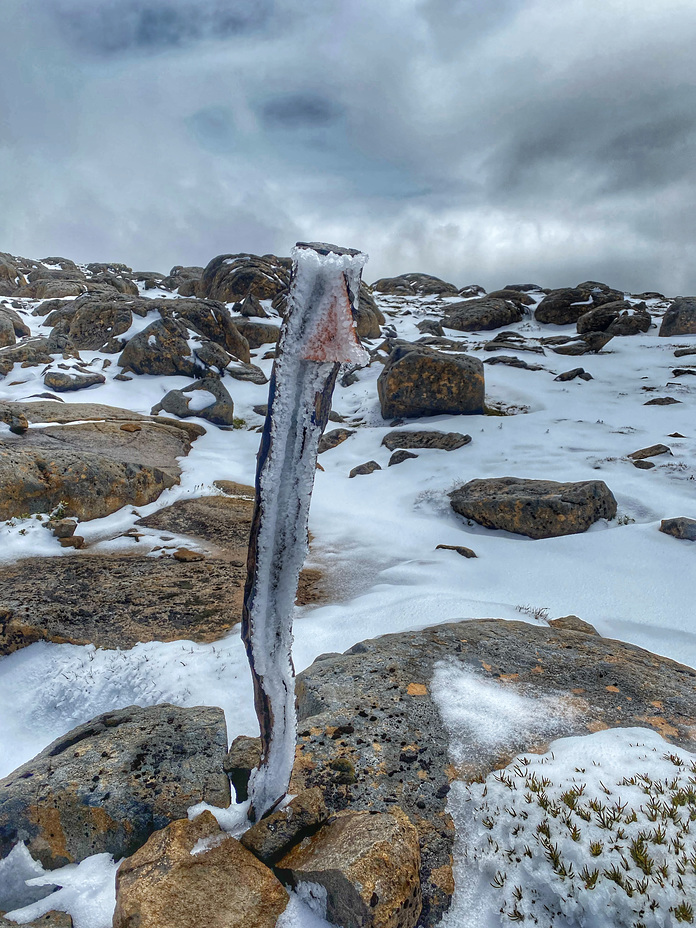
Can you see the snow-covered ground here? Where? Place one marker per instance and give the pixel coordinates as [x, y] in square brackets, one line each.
[376, 535]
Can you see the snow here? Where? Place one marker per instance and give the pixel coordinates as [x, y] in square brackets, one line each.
[375, 537]
[200, 399]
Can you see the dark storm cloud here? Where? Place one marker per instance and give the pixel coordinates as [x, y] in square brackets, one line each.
[475, 140]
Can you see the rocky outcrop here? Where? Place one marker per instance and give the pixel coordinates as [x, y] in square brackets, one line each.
[192, 874]
[49, 920]
[618, 318]
[536, 508]
[105, 786]
[220, 408]
[161, 348]
[680, 318]
[443, 441]
[414, 285]
[208, 319]
[230, 278]
[366, 866]
[90, 322]
[419, 381]
[482, 315]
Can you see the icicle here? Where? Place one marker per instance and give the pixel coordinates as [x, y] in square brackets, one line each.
[318, 335]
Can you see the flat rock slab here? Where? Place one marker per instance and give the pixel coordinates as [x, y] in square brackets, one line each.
[71, 599]
[536, 508]
[107, 785]
[443, 441]
[224, 521]
[371, 736]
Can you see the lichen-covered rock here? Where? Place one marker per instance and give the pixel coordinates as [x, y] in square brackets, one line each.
[219, 411]
[414, 285]
[161, 348]
[369, 318]
[443, 441]
[209, 319]
[334, 438]
[231, 277]
[420, 381]
[30, 353]
[273, 836]
[243, 756]
[105, 786]
[680, 318]
[363, 470]
[367, 865]
[256, 333]
[564, 306]
[618, 318]
[536, 508]
[67, 383]
[192, 874]
[90, 322]
[482, 315]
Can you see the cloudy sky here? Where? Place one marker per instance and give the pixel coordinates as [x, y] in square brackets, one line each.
[485, 141]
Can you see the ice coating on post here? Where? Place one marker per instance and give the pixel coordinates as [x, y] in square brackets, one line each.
[318, 335]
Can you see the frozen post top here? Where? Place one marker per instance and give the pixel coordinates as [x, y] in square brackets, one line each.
[325, 288]
[318, 335]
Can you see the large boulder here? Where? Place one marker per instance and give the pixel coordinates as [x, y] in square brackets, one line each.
[7, 332]
[161, 348]
[191, 874]
[369, 318]
[90, 469]
[207, 399]
[231, 277]
[51, 289]
[105, 786]
[563, 306]
[618, 318]
[372, 737]
[367, 866]
[536, 508]
[209, 319]
[680, 318]
[482, 315]
[414, 285]
[11, 319]
[419, 381]
[182, 279]
[256, 333]
[90, 322]
[11, 278]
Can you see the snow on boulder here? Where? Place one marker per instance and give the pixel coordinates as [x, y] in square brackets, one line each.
[536, 508]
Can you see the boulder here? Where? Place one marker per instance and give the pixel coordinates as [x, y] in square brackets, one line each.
[513, 361]
[472, 290]
[536, 508]
[679, 528]
[369, 318]
[30, 353]
[443, 441]
[518, 297]
[481, 315]
[210, 320]
[224, 521]
[372, 737]
[662, 401]
[256, 333]
[420, 381]
[185, 402]
[108, 283]
[414, 285]
[11, 279]
[21, 329]
[680, 318]
[367, 866]
[243, 756]
[333, 438]
[68, 383]
[90, 322]
[49, 920]
[431, 327]
[398, 457]
[273, 836]
[91, 468]
[363, 470]
[590, 343]
[51, 289]
[183, 279]
[513, 341]
[105, 786]
[650, 452]
[214, 357]
[618, 318]
[7, 332]
[230, 278]
[191, 874]
[572, 374]
[251, 308]
[600, 293]
[161, 348]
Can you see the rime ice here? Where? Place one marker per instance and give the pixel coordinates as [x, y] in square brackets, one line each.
[318, 335]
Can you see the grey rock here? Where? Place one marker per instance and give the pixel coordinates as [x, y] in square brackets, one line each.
[256, 333]
[398, 457]
[68, 383]
[680, 318]
[220, 411]
[334, 438]
[679, 528]
[443, 441]
[107, 785]
[363, 469]
[243, 756]
[575, 372]
[275, 834]
[482, 315]
[662, 401]
[414, 285]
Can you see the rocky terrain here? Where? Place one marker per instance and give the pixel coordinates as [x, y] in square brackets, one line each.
[505, 494]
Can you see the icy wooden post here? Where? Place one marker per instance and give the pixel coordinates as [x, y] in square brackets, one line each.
[318, 335]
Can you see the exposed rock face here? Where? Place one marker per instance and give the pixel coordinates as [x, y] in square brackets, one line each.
[107, 785]
[536, 508]
[49, 920]
[231, 277]
[419, 381]
[225, 521]
[209, 319]
[90, 322]
[680, 318]
[93, 468]
[619, 318]
[482, 315]
[161, 348]
[275, 834]
[68, 383]
[256, 333]
[372, 738]
[368, 865]
[368, 316]
[192, 874]
[680, 528]
[443, 441]
[414, 284]
[31, 353]
[219, 411]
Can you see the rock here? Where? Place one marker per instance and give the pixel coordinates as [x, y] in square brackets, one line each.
[600, 293]
[683, 352]
[522, 288]
[187, 556]
[591, 343]
[212, 355]
[571, 375]
[481, 315]
[159, 599]
[210, 320]
[230, 278]
[243, 756]
[680, 318]
[419, 381]
[73, 541]
[512, 361]
[362, 709]
[90, 322]
[16, 420]
[192, 874]
[161, 348]
[472, 290]
[231, 488]
[108, 283]
[334, 438]
[643, 465]
[183, 279]
[251, 307]
[368, 866]
[93, 468]
[460, 549]
[414, 285]
[618, 318]
[650, 452]
[431, 327]
[247, 372]
[30, 353]
[53, 409]
[368, 316]
[443, 441]
[512, 341]
[67, 383]
[224, 521]
[51, 289]
[363, 469]
[400, 456]
[679, 528]
[273, 836]
[563, 306]
[681, 371]
[7, 332]
[256, 333]
[536, 508]
[219, 410]
[662, 401]
[518, 297]
[49, 920]
[572, 623]
[105, 786]
[61, 528]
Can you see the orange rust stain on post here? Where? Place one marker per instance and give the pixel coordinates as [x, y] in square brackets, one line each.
[327, 343]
